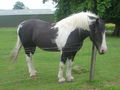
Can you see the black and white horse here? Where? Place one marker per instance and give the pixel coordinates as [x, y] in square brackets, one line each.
[66, 36]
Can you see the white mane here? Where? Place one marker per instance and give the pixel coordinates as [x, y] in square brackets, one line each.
[79, 20]
[69, 24]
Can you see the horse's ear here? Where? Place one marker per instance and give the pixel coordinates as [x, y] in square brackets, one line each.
[92, 18]
[97, 20]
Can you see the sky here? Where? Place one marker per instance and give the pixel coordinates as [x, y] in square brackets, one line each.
[31, 4]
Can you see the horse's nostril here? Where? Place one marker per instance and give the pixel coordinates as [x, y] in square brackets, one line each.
[102, 52]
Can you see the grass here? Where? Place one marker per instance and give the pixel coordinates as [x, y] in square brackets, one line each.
[15, 76]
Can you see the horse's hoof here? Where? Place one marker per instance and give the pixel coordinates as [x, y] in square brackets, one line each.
[61, 80]
[33, 74]
[33, 77]
[70, 79]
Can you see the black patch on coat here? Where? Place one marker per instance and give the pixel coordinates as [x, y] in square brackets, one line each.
[39, 33]
[96, 32]
[73, 44]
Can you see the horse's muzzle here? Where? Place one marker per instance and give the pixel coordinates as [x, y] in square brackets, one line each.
[102, 50]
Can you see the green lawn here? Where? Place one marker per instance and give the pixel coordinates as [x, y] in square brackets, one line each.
[14, 76]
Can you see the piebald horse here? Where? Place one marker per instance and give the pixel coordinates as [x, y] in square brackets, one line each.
[65, 36]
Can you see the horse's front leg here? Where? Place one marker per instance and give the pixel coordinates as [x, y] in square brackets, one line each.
[69, 76]
[61, 69]
[71, 56]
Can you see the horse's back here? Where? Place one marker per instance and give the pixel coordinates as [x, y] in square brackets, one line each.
[37, 32]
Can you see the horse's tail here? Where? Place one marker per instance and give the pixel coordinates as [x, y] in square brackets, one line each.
[15, 52]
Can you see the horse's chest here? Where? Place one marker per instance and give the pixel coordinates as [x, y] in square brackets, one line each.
[67, 37]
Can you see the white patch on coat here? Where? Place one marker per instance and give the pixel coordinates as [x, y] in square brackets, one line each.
[104, 46]
[69, 24]
[19, 26]
[31, 68]
[18, 44]
[60, 73]
[68, 70]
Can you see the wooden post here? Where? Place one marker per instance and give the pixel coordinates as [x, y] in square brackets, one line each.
[93, 60]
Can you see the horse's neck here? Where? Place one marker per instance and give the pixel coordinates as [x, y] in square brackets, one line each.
[83, 34]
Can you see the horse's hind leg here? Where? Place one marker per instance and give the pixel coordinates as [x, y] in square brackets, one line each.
[29, 52]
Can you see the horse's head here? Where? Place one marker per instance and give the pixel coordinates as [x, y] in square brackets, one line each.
[97, 34]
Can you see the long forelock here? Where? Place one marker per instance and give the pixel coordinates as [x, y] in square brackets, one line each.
[79, 20]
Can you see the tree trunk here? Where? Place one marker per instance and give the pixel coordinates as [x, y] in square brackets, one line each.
[116, 31]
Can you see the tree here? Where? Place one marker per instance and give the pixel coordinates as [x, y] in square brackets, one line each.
[112, 14]
[52, 0]
[109, 10]
[63, 10]
[19, 5]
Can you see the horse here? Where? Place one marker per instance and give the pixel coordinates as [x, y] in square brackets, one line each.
[65, 36]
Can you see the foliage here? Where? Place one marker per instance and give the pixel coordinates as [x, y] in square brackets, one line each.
[112, 13]
[110, 27]
[106, 9]
[19, 5]
[52, 0]
[63, 10]
[109, 10]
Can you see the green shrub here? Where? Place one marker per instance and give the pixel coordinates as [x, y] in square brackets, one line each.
[110, 27]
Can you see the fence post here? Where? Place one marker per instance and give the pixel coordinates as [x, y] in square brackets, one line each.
[93, 60]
